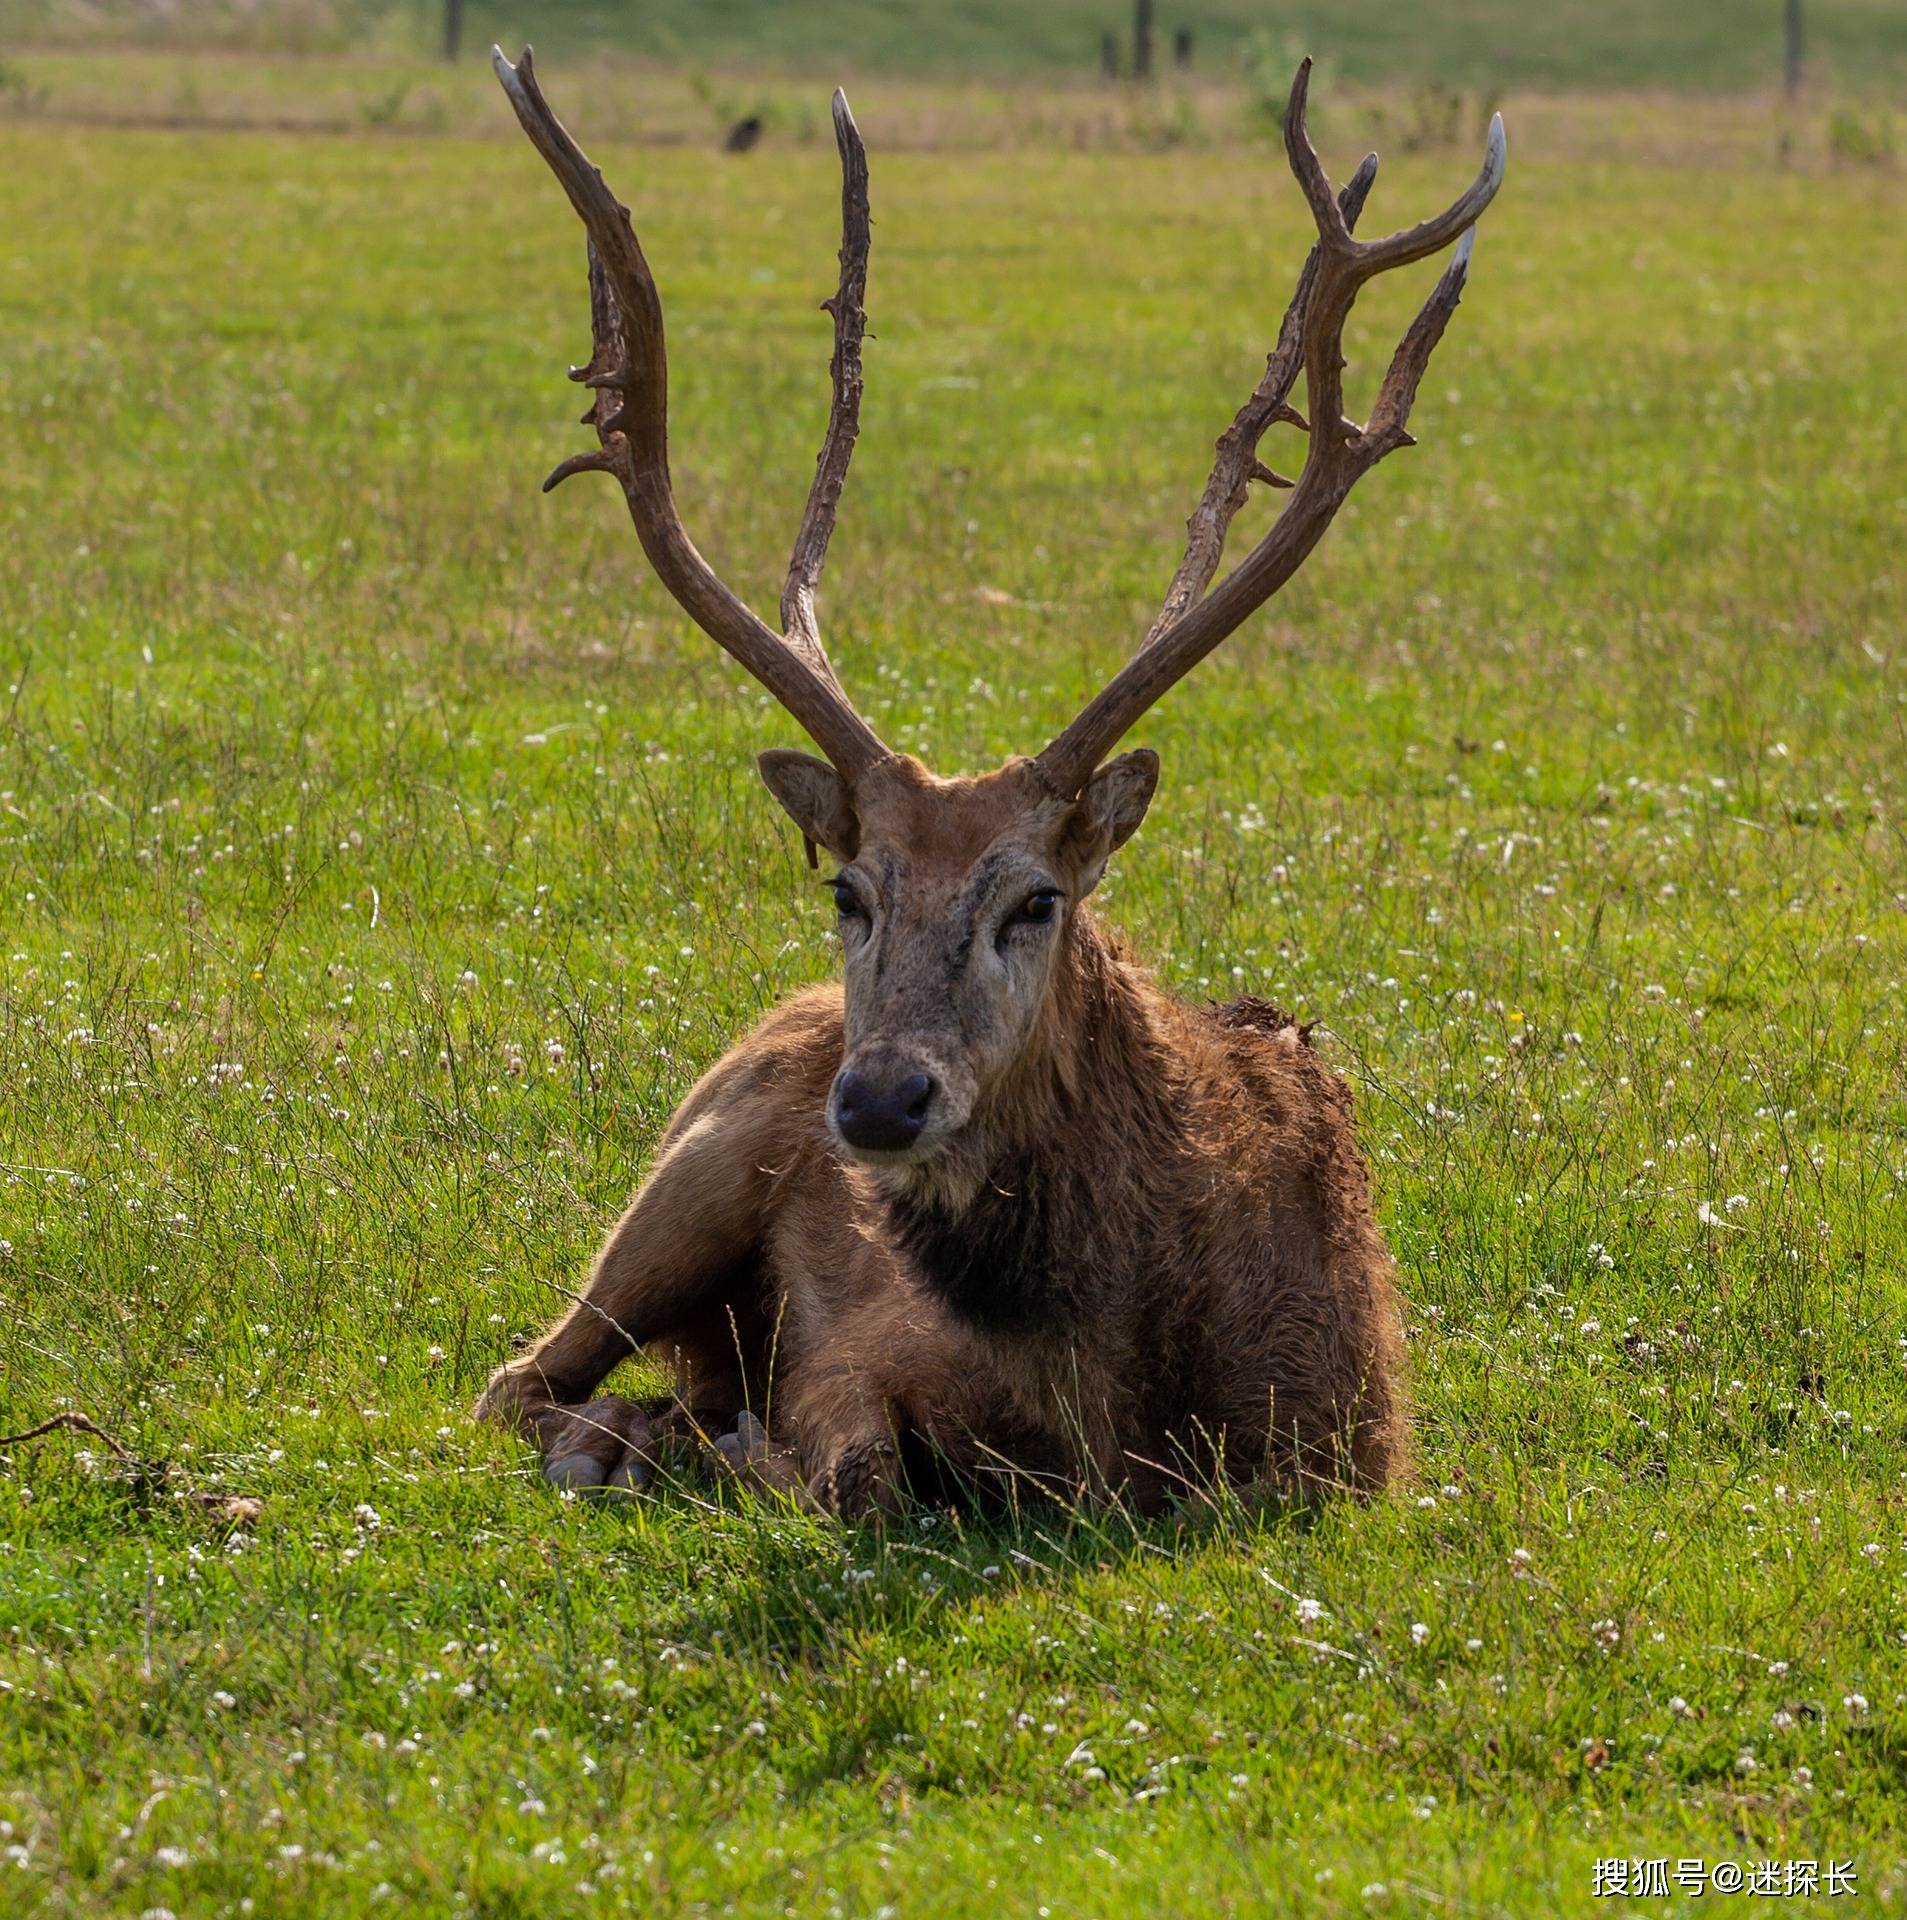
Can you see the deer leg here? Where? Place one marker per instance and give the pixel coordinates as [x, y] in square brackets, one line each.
[841, 1411]
[685, 1251]
[887, 1368]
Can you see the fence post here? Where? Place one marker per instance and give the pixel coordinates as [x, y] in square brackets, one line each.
[1142, 39]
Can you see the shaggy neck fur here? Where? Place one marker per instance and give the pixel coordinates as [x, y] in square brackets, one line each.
[1061, 1176]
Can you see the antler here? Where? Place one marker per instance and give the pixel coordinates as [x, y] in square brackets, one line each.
[1339, 452]
[844, 372]
[628, 372]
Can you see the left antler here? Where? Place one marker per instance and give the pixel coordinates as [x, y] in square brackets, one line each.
[1339, 453]
[628, 372]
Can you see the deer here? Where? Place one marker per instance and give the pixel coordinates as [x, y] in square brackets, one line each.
[995, 1200]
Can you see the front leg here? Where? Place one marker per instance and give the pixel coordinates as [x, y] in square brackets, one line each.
[689, 1242]
[885, 1366]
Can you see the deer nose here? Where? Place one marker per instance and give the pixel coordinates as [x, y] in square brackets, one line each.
[882, 1117]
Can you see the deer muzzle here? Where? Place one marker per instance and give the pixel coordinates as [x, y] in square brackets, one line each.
[890, 1106]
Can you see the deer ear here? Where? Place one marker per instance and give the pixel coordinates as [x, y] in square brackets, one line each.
[1109, 809]
[815, 798]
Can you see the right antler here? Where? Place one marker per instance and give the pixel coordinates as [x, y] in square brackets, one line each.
[628, 371]
[1340, 453]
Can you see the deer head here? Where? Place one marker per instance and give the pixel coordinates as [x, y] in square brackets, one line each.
[958, 897]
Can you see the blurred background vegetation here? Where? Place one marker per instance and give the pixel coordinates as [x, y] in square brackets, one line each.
[1597, 44]
[1810, 83]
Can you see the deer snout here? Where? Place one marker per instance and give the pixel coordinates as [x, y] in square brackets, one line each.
[883, 1109]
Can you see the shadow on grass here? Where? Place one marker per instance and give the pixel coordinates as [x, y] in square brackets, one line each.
[790, 1584]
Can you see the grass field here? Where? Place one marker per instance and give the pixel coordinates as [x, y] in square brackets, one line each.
[381, 860]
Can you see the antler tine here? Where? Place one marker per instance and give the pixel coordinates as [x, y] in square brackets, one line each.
[1334, 231]
[1238, 464]
[844, 409]
[1385, 429]
[1357, 261]
[1338, 452]
[1463, 213]
[628, 370]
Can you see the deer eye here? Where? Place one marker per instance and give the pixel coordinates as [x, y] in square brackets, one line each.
[847, 902]
[1036, 909]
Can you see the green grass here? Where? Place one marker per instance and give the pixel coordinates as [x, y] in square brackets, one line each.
[381, 860]
[1566, 43]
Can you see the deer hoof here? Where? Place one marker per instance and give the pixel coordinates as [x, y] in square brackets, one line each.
[575, 1472]
[861, 1484]
[596, 1446]
[745, 1448]
[631, 1477]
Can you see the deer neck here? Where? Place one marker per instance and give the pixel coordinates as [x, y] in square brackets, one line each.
[1018, 1225]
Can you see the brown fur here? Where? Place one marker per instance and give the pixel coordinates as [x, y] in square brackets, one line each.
[1135, 1247]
